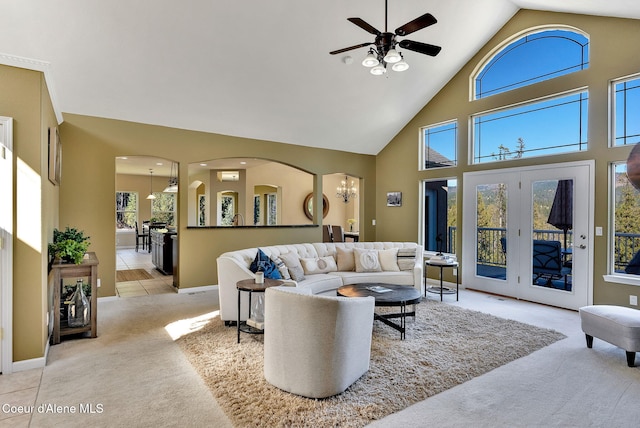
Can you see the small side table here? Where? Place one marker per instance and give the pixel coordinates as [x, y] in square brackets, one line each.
[442, 290]
[250, 286]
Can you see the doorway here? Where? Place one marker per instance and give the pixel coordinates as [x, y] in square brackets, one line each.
[527, 233]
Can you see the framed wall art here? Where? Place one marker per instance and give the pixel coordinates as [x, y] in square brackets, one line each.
[394, 199]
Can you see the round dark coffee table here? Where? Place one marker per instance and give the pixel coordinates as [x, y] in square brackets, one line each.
[387, 295]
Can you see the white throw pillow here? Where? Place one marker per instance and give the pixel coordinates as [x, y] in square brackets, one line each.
[292, 263]
[366, 260]
[346, 262]
[315, 265]
[389, 260]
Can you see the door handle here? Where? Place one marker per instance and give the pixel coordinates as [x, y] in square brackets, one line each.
[582, 246]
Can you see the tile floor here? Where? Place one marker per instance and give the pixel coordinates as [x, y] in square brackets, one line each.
[130, 259]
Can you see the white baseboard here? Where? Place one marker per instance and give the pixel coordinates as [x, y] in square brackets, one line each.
[34, 363]
[198, 289]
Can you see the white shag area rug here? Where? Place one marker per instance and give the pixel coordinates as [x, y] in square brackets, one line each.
[445, 346]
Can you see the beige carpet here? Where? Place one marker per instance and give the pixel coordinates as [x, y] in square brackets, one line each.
[132, 275]
[445, 346]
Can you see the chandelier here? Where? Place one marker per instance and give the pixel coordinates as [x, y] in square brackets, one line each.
[173, 181]
[346, 193]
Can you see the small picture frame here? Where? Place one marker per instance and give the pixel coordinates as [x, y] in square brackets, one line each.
[55, 156]
[394, 199]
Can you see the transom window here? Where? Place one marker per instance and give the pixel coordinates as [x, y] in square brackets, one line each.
[551, 126]
[626, 113]
[439, 145]
[532, 58]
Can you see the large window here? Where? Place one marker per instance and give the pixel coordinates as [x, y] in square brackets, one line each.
[626, 111]
[440, 215]
[626, 222]
[163, 208]
[126, 210]
[552, 126]
[532, 58]
[438, 144]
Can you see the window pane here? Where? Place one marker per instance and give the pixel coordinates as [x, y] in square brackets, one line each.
[553, 126]
[163, 208]
[532, 59]
[627, 112]
[439, 145]
[440, 215]
[626, 222]
[491, 226]
[126, 210]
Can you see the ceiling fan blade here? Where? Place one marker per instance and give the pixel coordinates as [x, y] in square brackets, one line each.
[361, 45]
[417, 24]
[419, 47]
[366, 27]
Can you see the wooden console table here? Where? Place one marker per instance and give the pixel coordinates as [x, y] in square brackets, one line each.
[87, 269]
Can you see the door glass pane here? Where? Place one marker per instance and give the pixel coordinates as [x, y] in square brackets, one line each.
[491, 226]
[552, 240]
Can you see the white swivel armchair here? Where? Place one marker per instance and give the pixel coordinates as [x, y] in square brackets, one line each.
[315, 346]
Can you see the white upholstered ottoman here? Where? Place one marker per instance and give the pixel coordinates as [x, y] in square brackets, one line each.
[617, 325]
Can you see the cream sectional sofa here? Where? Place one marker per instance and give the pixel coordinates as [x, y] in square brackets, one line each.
[326, 268]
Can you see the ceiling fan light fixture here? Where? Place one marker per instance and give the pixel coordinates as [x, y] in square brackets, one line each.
[392, 56]
[378, 70]
[370, 60]
[400, 65]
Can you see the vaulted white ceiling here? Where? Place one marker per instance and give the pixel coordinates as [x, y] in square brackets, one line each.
[257, 69]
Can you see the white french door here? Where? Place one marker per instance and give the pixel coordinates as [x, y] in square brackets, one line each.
[527, 233]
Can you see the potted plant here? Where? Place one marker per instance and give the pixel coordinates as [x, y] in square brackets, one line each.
[69, 245]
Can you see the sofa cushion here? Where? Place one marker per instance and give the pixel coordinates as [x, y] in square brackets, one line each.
[262, 263]
[292, 262]
[399, 278]
[345, 260]
[313, 265]
[389, 260]
[366, 260]
[322, 283]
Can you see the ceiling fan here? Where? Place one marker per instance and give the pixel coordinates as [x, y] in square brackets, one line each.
[385, 43]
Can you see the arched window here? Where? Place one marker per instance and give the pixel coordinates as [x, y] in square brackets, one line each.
[538, 55]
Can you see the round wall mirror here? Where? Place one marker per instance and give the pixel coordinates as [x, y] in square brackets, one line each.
[307, 206]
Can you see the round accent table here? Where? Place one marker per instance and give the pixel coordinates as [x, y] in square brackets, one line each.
[250, 286]
[442, 290]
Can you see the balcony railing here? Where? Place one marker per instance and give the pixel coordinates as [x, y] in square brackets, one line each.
[492, 244]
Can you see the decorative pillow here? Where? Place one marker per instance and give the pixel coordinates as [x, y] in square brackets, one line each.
[262, 263]
[282, 268]
[346, 262]
[315, 265]
[292, 263]
[389, 259]
[366, 260]
[406, 258]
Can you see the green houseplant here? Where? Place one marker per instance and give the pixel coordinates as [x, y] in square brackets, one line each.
[69, 245]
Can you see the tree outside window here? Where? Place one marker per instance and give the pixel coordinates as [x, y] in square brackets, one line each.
[126, 210]
[163, 208]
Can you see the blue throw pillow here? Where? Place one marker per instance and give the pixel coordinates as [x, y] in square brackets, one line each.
[262, 263]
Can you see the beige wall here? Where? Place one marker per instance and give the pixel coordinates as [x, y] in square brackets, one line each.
[92, 144]
[25, 98]
[613, 44]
